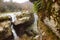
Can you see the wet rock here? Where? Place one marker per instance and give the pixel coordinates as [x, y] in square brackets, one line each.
[24, 17]
[23, 22]
[5, 30]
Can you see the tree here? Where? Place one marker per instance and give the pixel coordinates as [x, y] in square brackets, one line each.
[49, 9]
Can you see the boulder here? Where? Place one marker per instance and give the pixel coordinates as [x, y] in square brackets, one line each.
[5, 30]
[23, 21]
[24, 18]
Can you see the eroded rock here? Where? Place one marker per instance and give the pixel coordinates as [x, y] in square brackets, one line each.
[5, 30]
[24, 17]
[23, 21]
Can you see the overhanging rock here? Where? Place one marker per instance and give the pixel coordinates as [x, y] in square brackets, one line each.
[5, 30]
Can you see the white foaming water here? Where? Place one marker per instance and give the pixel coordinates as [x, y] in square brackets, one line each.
[34, 25]
[13, 17]
[35, 28]
[13, 31]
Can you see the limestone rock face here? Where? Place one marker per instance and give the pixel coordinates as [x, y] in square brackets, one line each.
[5, 30]
[19, 21]
[24, 17]
[23, 21]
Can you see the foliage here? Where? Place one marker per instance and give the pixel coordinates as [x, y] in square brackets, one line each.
[46, 7]
[9, 7]
[42, 5]
[50, 9]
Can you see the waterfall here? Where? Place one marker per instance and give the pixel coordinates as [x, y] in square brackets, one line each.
[13, 31]
[33, 26]
[36, 28]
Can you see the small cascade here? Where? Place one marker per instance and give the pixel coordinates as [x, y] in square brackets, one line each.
[33, 26]
[13, 30]
[36, 28]
[14, 33]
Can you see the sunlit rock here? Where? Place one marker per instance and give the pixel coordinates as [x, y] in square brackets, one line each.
[23, 21]
[24, 17]
[5, 30]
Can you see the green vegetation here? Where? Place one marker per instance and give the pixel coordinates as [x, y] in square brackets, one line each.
[46, 7]
[3, 18]
[42, 5]
[9, 7]
[49, 9]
